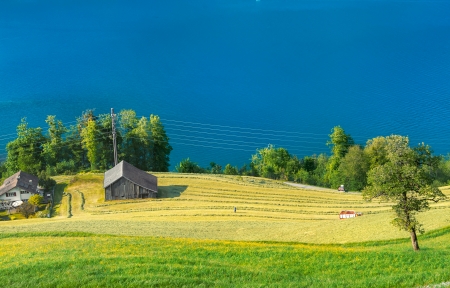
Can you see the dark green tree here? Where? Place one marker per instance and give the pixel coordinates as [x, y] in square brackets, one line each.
[25, 152]
[105, 142]
[137, 144]
[187, 166]
[89, 136]
[215, 168]
[406, 178]
[161, 147]
[271, 162]
[230, 170]
[3, 172]
[353, 169]
[45, 181]
[54, 149]
[376, 151]
[75, 151]
[339, 142]
[320, 172]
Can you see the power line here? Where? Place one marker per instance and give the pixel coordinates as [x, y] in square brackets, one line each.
[242, 128]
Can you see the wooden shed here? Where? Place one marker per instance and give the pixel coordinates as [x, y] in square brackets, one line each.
[124, 181]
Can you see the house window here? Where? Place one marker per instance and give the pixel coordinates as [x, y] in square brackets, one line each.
[11, 194]
[24, 192]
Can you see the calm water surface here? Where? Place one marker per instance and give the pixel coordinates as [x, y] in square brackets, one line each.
[272, 71]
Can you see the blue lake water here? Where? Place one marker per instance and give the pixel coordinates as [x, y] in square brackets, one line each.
[231, 76]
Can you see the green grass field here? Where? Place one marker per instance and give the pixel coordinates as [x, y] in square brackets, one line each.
[190, 236]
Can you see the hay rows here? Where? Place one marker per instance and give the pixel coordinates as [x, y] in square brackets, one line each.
[199, 195]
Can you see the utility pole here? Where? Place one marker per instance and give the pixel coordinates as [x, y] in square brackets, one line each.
[113, 120]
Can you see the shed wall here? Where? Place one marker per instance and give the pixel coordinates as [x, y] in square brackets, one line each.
[125, 189]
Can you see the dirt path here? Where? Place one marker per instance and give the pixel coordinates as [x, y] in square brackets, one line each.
[310, 187]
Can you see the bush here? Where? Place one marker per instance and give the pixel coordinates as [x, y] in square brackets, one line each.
[66, 167]
[42, 214]
[26, 209]
[45, 181]
[230, 170]
[36, 199]
[51, 171]
[187, 166]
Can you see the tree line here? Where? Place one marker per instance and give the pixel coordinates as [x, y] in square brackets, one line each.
[348, 163]
[87, 145]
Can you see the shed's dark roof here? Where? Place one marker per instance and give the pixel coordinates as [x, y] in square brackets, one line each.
[23, 180]
[128, 171]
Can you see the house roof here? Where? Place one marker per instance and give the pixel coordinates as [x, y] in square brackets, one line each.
[133, 174]
[348, 212]
[23, 180]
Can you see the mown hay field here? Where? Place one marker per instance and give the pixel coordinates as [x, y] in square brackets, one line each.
[202, 207]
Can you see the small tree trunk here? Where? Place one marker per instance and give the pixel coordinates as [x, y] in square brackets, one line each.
[414, 242]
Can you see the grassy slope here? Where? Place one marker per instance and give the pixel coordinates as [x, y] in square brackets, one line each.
[67, 259]
[201, 206]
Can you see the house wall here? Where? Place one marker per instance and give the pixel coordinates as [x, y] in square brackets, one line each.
[125, 189]
[14, 198]
[20, 195]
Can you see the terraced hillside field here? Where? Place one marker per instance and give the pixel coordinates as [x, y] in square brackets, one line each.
[202, 206]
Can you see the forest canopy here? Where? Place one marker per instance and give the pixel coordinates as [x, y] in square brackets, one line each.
[87, 145]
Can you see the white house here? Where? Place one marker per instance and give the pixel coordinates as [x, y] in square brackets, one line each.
[18, 187]
[349, 214]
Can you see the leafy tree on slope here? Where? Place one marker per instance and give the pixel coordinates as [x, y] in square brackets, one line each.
[405, 178]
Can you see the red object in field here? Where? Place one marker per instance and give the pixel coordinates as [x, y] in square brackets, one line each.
[349, 214]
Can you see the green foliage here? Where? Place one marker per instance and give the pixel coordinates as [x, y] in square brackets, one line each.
[161, 147]
[320, 172]
[352, 171]
[187, 166]
[376, 151]
[275, 163]
[66, 167]
[215, 168]
[406, 178]
[3, 172]
[25, 152]
[35, 199]
[53, 148]
[89, 135]
[42, 214]
[442, 173]
[45, 181]
[136, 145]
[230, 170]
[340, 142]
[26, 209]
[87, 145]
[105, 142]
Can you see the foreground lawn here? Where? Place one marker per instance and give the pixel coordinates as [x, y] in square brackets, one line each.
[68, 259]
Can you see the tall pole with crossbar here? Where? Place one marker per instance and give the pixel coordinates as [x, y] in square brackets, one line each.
[113, 120]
